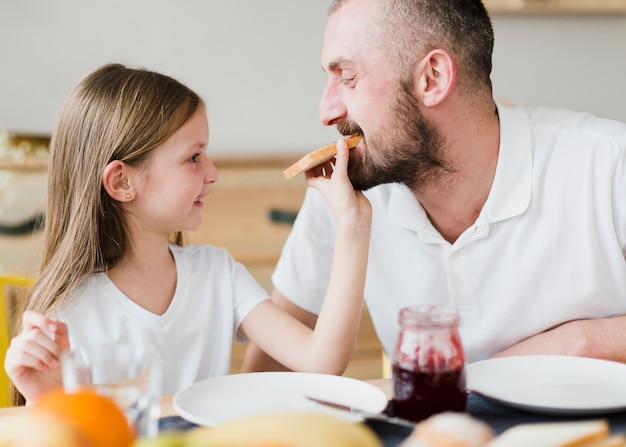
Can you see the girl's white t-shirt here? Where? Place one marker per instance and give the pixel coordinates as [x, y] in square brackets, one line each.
[214, 294]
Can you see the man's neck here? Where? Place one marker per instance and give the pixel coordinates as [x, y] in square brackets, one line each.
[454, 202]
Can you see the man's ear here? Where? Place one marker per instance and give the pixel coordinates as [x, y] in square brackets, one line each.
[435, 76]
[116, 181]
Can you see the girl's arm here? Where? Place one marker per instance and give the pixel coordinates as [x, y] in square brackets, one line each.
[32, 361]
[328, 347]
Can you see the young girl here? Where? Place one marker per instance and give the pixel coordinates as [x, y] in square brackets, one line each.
[128, 169]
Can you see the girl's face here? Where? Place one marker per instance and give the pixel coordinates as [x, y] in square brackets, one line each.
[171, 186]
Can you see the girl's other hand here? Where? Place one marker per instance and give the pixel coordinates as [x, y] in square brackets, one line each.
[33, 359]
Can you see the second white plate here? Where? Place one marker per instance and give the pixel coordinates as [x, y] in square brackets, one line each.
[554, 385]
[221, 399]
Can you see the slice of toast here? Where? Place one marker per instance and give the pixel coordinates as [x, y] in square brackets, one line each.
[317, 157]
[555, 434]
[617, 440]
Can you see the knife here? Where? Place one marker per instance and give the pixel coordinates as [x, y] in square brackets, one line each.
[368, 415]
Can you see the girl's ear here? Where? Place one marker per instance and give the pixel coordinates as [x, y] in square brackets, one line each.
[435, 77]
[116, 181]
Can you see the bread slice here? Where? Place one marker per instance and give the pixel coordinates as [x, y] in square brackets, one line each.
[449, 429]
[317, 157]
[555, 434]
[618, 440]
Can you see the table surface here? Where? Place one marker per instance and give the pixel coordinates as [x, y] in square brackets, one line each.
[499, 417]
[167, 409]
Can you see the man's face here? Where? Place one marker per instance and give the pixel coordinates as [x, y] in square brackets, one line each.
[364, 96]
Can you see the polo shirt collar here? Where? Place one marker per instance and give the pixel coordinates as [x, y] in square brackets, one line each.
[512, 185]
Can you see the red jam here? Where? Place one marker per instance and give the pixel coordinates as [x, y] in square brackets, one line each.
[428, 364]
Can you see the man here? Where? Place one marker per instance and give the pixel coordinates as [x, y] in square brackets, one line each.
[517, 217]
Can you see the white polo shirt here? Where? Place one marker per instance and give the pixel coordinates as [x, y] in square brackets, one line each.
[549, 246]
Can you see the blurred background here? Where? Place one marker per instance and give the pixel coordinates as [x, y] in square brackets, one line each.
[257, 63]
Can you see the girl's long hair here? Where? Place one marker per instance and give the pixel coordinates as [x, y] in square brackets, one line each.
[115, 113]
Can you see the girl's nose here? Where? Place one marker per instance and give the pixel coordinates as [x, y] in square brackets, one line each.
[211, 175]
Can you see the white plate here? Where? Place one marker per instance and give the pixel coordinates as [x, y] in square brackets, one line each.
[221, 399]
[554, 385]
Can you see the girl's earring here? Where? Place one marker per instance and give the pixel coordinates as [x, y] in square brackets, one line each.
[128, 196]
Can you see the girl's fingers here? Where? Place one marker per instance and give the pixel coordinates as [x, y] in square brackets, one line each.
[32, 349]
[23, 361]
[61, 336]
[34, 320]
[40, 344]
[53, 328]
[328, 168]
[343, 155]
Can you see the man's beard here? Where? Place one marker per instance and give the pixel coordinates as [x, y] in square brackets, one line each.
[410, 154]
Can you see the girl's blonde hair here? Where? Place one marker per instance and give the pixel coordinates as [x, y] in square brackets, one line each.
[115, 113]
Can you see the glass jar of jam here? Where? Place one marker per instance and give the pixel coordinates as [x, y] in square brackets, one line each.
[428, 366]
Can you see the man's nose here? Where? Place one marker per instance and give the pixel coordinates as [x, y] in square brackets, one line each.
[332, 109]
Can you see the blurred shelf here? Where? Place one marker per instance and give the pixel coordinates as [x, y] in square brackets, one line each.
[557, 6]
[27, 164]
[23, 152]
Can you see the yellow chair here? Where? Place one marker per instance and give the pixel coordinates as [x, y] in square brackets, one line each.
[386, 366]
[7, 280]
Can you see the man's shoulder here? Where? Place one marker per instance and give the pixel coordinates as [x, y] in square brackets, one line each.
[575, 123]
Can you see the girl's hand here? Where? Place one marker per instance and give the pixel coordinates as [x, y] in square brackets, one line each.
[328, 346]
[33, 360]
[331, 179]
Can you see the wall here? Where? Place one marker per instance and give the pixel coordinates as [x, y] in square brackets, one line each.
[257, 62]
[572, 61]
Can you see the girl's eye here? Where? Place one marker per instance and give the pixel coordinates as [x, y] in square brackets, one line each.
[194, 158]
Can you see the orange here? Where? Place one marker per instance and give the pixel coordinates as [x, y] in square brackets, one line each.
[98, 416]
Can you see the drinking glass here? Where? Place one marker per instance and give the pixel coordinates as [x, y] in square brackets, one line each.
[128, 372]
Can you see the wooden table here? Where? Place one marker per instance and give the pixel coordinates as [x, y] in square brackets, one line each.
[499, 417]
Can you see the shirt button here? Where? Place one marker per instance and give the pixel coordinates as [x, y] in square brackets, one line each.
[454, 254]
[457, 282]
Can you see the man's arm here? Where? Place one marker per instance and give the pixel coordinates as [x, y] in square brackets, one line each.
[256, 360]
[603, 338]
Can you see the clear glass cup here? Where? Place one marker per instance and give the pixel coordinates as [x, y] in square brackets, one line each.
[428, 366]
[128, 372]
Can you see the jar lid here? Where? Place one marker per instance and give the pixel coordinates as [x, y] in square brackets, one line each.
[429, 315]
